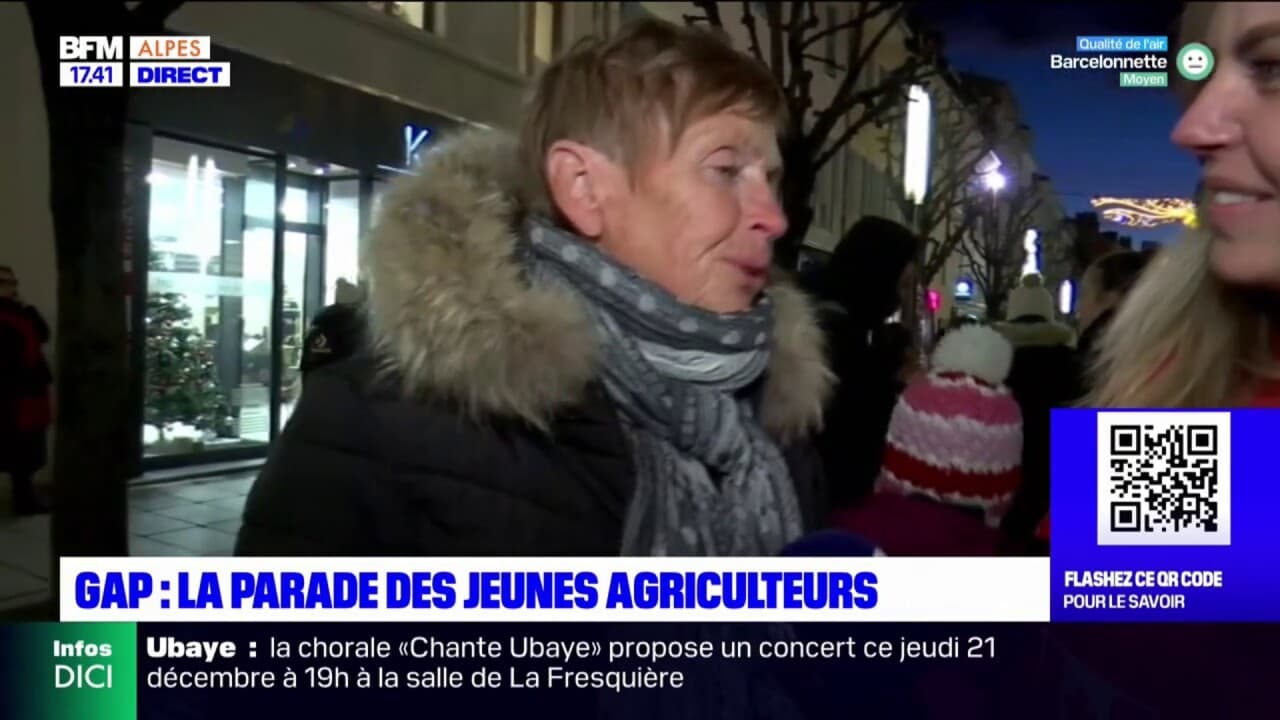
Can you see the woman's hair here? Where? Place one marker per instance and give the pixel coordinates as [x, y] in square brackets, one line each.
[652, 76]
[1181, 338]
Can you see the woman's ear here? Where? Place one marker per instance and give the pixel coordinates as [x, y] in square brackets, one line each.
[576, 182]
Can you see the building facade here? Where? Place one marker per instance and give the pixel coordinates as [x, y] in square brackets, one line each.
[245, 205]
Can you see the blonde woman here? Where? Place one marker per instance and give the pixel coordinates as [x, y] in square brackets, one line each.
[1199, 329]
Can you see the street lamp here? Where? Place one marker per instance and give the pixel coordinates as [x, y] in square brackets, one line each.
[994, 181]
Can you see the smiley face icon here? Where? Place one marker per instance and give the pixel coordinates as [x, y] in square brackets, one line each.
[1194, 61]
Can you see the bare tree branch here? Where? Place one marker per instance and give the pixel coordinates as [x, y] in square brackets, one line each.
[710, 12]
[799, 84]
[773, 14]
[938, 252]
[995, 246]
[845, 97]
[749, 20]
[856, 21]
[960, 144]
[873, 115]
[825, 61]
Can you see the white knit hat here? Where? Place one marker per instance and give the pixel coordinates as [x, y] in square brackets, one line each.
[956, 433]
[1031, 298]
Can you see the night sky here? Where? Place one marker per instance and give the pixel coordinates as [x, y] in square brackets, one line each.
[1091, 136]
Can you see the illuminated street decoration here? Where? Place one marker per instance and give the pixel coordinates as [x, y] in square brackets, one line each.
[1146, 212]
[1031, 246]
[934, 299]
[1066, 297]
[915, 170]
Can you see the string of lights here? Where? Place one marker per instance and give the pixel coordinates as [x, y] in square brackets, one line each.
[1146, 212]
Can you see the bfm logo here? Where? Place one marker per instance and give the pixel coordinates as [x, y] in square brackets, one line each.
[80, 47]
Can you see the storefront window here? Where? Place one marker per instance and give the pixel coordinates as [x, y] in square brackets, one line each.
[207, 355]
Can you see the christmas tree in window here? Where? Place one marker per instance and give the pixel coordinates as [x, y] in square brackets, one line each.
[183, 393]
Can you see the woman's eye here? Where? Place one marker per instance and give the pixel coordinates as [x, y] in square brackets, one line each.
[1266, 71]
[729, 171]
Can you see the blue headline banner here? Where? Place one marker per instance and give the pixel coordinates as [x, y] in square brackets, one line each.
[1164, 516]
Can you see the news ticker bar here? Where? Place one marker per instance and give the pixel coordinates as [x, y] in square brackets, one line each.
[113, 671]
[145, 74]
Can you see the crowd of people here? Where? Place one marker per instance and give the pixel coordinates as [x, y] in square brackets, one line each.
[951, 456]
[575, 343]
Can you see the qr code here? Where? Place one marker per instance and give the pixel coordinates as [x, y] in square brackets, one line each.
[1164, 478]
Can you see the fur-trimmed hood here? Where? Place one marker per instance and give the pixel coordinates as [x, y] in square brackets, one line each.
[1041, 333]
[453, 317]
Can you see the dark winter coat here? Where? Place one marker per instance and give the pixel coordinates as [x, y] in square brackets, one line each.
[335, 335]
[476, 423]
[853, 439]
[25, 379]
[860, 285]
[1043, 377]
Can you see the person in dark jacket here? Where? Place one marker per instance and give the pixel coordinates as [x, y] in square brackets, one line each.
[25, 379]
[869, 273]
[335, 332]
[575, 344]
[1042, 378]
[894, 354]
[1103, 286]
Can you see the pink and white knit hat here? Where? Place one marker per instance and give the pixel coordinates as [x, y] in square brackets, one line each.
[956, 434]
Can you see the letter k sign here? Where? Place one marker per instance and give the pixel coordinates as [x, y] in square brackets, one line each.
[414, 137]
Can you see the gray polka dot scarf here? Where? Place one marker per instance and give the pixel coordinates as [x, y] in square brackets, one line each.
[709, 481]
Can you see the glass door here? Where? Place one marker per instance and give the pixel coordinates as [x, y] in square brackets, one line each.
[245, 250]
[209, 295]
[302, 292]
[321, 213]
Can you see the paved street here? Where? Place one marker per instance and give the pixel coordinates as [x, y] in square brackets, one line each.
[197, 517]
